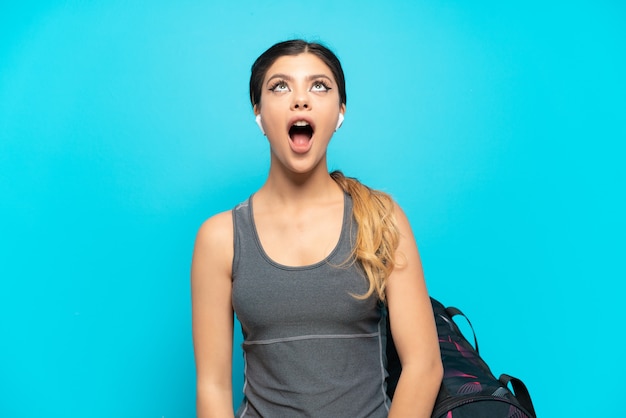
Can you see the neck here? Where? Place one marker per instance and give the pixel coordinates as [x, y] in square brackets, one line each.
[283, 186]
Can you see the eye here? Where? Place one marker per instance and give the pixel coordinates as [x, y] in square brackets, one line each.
[320, 86]
[279, 86]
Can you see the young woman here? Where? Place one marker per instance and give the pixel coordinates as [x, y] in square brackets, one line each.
[310, 263]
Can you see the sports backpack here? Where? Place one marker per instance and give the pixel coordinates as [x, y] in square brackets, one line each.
[468, 389]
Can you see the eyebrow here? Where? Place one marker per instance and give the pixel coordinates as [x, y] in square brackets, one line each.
[290, 78]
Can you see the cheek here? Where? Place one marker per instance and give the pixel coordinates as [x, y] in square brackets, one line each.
[273, 107]
[331, 115]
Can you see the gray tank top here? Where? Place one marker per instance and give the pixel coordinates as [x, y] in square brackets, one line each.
[311, 349]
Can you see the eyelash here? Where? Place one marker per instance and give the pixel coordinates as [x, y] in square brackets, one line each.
[278, 83]
[322, 83]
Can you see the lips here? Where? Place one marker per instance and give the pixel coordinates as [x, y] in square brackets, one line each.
[300, 129]
[300, 133]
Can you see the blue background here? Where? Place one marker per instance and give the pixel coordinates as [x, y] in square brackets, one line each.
[498, 126]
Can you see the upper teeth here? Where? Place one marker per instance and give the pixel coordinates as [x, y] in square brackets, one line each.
[301, 123]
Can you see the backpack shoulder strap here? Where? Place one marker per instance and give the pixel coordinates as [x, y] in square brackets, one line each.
[452, 312]
[520, 390]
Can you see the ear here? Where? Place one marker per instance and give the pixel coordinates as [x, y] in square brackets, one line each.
[258, 122]
[340, 119]
[257, 119]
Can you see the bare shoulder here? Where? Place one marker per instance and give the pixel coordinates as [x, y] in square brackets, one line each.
[217, 227]
[408, 264]
[214, 242]
[402, 222]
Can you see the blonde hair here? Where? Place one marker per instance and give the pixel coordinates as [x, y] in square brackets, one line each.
[377, 235]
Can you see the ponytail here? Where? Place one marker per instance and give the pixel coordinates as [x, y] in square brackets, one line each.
[377, 235]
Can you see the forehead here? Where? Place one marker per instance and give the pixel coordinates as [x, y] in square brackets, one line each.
[301, 65]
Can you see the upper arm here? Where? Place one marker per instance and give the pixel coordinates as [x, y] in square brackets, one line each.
[211, 302]
[410, 310]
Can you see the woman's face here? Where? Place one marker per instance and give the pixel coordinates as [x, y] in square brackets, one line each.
[299, 109]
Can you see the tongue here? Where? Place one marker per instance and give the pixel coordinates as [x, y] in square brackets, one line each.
[300, 142]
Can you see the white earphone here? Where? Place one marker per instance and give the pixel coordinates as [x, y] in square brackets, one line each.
[339, 121]
[258, 122]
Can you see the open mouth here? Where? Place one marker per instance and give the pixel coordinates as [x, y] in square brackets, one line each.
[301, 132]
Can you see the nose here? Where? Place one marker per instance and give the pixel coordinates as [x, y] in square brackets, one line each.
[300, 101]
